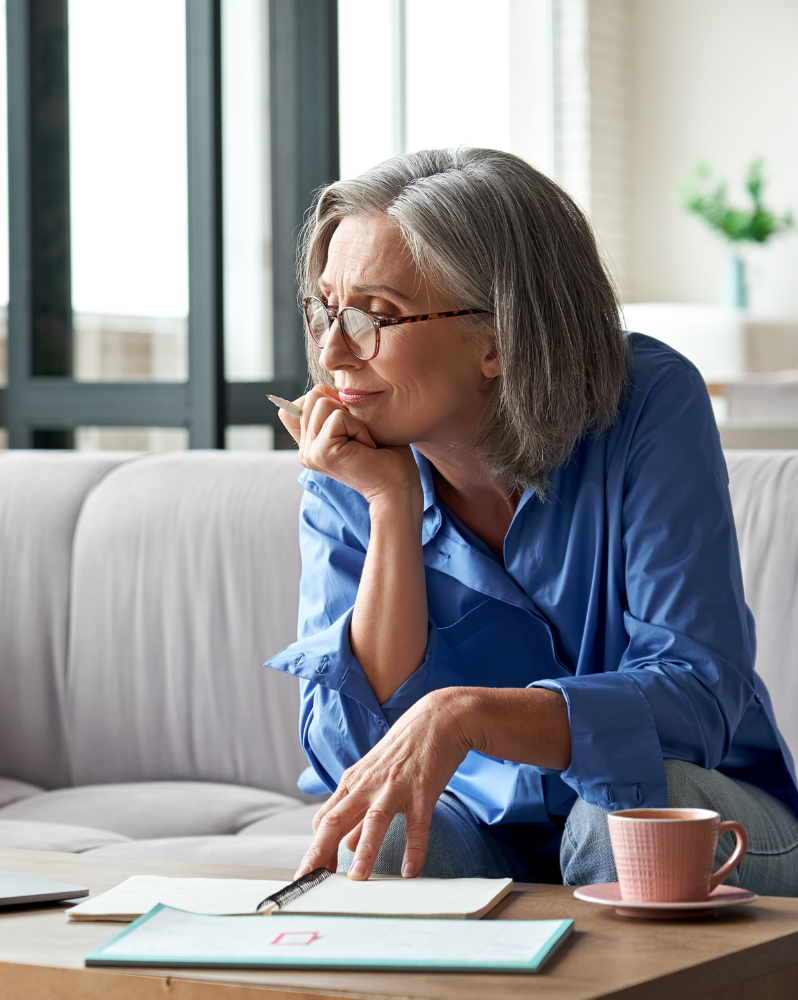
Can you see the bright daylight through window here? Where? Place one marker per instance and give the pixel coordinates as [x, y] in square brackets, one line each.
[421, 74]
[127, 89]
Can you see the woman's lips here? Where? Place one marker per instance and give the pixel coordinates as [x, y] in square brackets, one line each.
[350, 396]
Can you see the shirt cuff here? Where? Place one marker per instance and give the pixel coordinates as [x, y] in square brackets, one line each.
[327, 659]
[311, 784]
[616, 759]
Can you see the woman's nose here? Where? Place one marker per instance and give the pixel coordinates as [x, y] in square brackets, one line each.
[335, 353]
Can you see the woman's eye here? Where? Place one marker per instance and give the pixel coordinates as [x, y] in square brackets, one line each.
[384, 309]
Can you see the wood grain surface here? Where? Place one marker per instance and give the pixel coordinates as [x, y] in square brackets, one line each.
[745, 954]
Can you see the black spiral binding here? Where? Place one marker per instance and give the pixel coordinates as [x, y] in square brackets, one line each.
[296, 889]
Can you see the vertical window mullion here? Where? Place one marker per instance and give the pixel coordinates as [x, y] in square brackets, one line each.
[205, 263]
[303, 37]
[40, 327]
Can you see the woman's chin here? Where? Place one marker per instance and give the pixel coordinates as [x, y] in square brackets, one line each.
[390, 440]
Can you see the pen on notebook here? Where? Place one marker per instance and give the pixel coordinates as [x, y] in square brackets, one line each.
[293, 891]
[284, 404]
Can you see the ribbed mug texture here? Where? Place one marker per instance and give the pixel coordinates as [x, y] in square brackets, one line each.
[665, 858]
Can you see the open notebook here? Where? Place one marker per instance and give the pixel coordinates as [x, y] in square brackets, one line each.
[336, 895]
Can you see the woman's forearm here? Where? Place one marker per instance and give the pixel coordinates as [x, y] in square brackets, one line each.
[527, 725]
[389, 625]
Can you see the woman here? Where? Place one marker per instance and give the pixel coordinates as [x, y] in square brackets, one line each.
[521, 600]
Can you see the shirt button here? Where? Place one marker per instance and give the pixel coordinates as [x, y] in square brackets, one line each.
[299, 659]
[758, 699]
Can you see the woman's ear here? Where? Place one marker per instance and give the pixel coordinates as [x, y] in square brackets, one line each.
[490, 365]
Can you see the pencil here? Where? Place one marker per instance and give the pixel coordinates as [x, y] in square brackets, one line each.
[291, 408]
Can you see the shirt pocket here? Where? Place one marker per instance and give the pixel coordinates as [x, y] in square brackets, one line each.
[498, 645]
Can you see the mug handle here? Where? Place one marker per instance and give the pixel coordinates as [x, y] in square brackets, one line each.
[737, 854]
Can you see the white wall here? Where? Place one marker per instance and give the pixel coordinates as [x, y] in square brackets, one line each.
[593, 116]
[715, 80]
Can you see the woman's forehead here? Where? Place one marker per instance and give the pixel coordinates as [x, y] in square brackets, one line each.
[369, 253]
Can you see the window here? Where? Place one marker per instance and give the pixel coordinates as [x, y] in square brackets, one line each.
[144, 153]
[423, 74]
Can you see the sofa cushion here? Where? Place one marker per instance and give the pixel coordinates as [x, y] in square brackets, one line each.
[764, 492]
[153, 808]
[292, 821]
[34, 836]
[41, 498]
[271, 851]
[12, 791]
[185, 581]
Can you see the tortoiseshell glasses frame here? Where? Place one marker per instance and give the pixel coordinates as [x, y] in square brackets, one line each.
[361, 330]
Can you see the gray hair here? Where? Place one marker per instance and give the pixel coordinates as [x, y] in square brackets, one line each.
[500, 236]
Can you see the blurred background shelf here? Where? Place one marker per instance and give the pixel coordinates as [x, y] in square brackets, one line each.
[750, 364]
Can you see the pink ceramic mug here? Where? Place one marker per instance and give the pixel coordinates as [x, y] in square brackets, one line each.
[667, 855]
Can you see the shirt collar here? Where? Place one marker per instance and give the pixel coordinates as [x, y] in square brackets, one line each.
[432, 513]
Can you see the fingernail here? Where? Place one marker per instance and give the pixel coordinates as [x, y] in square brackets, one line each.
[409, 870]
[358, 868]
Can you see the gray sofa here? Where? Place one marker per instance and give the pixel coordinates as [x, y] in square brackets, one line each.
[139, 596]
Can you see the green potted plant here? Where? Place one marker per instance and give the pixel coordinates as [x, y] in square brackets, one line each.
[706, 197]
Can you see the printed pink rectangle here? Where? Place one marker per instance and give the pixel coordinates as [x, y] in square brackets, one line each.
[296, 937]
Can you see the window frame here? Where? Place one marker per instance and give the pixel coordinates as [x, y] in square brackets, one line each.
[42, 403]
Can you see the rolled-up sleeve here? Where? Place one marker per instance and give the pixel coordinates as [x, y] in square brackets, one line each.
[686, 676]
[340, 719]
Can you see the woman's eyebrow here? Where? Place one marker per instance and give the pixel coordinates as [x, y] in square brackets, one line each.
[371, 289]
[326, 288]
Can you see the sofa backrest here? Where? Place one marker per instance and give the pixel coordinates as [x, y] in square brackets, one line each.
[139, 598]
[140, 594]
[41, 496]
[185, 579]
[764, 492]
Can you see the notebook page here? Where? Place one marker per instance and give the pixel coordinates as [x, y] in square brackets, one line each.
[402, 897]
[138, 895]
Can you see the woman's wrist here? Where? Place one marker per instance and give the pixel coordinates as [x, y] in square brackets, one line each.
[397, 505]
[527, 725]
[462, 709]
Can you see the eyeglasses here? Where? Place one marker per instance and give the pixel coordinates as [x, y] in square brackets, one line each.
[361, 330]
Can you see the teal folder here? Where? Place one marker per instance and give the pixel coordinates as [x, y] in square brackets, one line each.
[170, 938]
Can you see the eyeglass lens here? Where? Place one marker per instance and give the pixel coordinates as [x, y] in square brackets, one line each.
[357, 327]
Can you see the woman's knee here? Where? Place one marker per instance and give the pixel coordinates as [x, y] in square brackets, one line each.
[585, 852]
[770, 866]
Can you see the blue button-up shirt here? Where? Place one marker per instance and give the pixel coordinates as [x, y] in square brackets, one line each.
[622, 591]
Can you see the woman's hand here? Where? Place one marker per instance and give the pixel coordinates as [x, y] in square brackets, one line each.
[335, 442]
[409, 768]
[406, 772]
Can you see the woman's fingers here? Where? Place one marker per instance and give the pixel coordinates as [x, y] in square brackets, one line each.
[329, 420]
[417, 833]
[311, 861]
[335, 799]
[375, 826]
[351, 839]
[329, 832]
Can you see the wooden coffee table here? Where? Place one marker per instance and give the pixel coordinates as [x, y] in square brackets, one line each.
[746, 954]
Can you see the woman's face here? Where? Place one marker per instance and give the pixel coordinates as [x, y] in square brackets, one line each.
[430, 381]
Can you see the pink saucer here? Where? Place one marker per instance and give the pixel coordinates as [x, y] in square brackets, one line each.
[609, 894]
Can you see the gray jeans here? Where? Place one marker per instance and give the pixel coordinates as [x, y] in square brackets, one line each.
[461, 846]
[770, 867]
